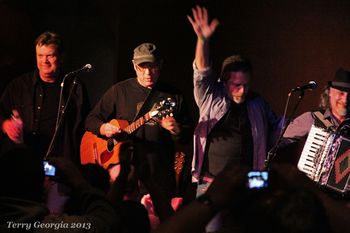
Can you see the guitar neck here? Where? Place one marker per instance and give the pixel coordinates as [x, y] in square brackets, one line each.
[138, 123]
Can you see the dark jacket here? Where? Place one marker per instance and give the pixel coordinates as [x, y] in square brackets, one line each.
[25, 94]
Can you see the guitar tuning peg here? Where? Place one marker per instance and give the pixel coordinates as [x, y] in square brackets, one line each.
[171, 114]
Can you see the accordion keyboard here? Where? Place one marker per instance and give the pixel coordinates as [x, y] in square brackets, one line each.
[312, 151]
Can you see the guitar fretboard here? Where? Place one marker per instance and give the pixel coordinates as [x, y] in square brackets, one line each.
[138, 123]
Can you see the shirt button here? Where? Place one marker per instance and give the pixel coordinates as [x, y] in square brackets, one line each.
[34, 133]
[39, 107]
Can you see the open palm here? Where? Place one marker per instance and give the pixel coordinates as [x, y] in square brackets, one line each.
[200, 23]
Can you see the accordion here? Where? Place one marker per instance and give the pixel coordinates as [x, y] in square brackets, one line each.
[326, 159]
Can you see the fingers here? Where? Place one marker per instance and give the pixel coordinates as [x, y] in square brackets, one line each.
[213, 25]
[200, 14]
[15, 113]
[191, 21]
[109, 130]
[13, 130]
[196, 13]
[170, 124]
[200, 24]
[195, 24]
[197, 17]
[204, 14]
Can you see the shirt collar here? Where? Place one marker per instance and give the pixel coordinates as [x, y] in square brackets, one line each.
[37, 80]
[328, 115]
[36, 77]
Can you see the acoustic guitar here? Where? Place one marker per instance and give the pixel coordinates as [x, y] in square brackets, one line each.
[105, 151]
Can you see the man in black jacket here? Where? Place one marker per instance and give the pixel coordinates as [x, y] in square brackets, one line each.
[29, 111]
[29, 105]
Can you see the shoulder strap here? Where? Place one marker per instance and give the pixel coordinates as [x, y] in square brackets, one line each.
[147, 104]
[323, 120]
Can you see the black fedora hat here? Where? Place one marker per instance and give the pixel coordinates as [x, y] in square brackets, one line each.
[341, 80]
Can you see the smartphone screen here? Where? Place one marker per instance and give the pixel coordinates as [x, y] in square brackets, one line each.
[258, 179]
[49, 169]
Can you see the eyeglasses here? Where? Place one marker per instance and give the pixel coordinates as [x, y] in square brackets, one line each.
[150, 66]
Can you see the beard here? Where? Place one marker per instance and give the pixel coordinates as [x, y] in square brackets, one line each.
[342, 111]
[238, 99]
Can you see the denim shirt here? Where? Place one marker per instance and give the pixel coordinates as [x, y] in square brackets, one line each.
[212, 100]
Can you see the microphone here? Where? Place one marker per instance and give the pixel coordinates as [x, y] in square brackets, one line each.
[86, 68]
[310, 86]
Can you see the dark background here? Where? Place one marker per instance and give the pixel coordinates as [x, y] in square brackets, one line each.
[289, 42]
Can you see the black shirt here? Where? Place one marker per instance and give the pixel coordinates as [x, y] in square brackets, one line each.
[122, 101]
[230, 141]
[37, 105]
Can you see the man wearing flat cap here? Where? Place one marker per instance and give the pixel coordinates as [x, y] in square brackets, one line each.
[134, 97]
[334, 106]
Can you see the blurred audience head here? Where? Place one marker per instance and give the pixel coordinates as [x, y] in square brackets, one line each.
[21, 174]
[288, 205]
[298, 210]
[96, 175]
[134, 217]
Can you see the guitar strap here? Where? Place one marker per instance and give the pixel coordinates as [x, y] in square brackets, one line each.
[147, 104]
[323, 120]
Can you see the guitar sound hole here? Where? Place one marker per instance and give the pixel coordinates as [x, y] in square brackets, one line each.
[110, 145]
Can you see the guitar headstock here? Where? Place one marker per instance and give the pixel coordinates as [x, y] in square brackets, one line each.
[163, 108]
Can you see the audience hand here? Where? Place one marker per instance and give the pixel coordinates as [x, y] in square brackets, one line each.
[68, 173]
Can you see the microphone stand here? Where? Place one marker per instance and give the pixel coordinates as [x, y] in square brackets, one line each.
[272, 152]
[61, 111]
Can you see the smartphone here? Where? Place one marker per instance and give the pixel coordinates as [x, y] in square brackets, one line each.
[258, 179]
[49, 169]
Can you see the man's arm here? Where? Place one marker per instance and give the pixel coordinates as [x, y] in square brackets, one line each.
[204, 30]
[203, 80]
[298, 128]
[97, 120]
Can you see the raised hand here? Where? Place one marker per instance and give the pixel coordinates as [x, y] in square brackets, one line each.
[200, 24]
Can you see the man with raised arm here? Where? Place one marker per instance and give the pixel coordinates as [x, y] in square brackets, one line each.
[236, 125]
